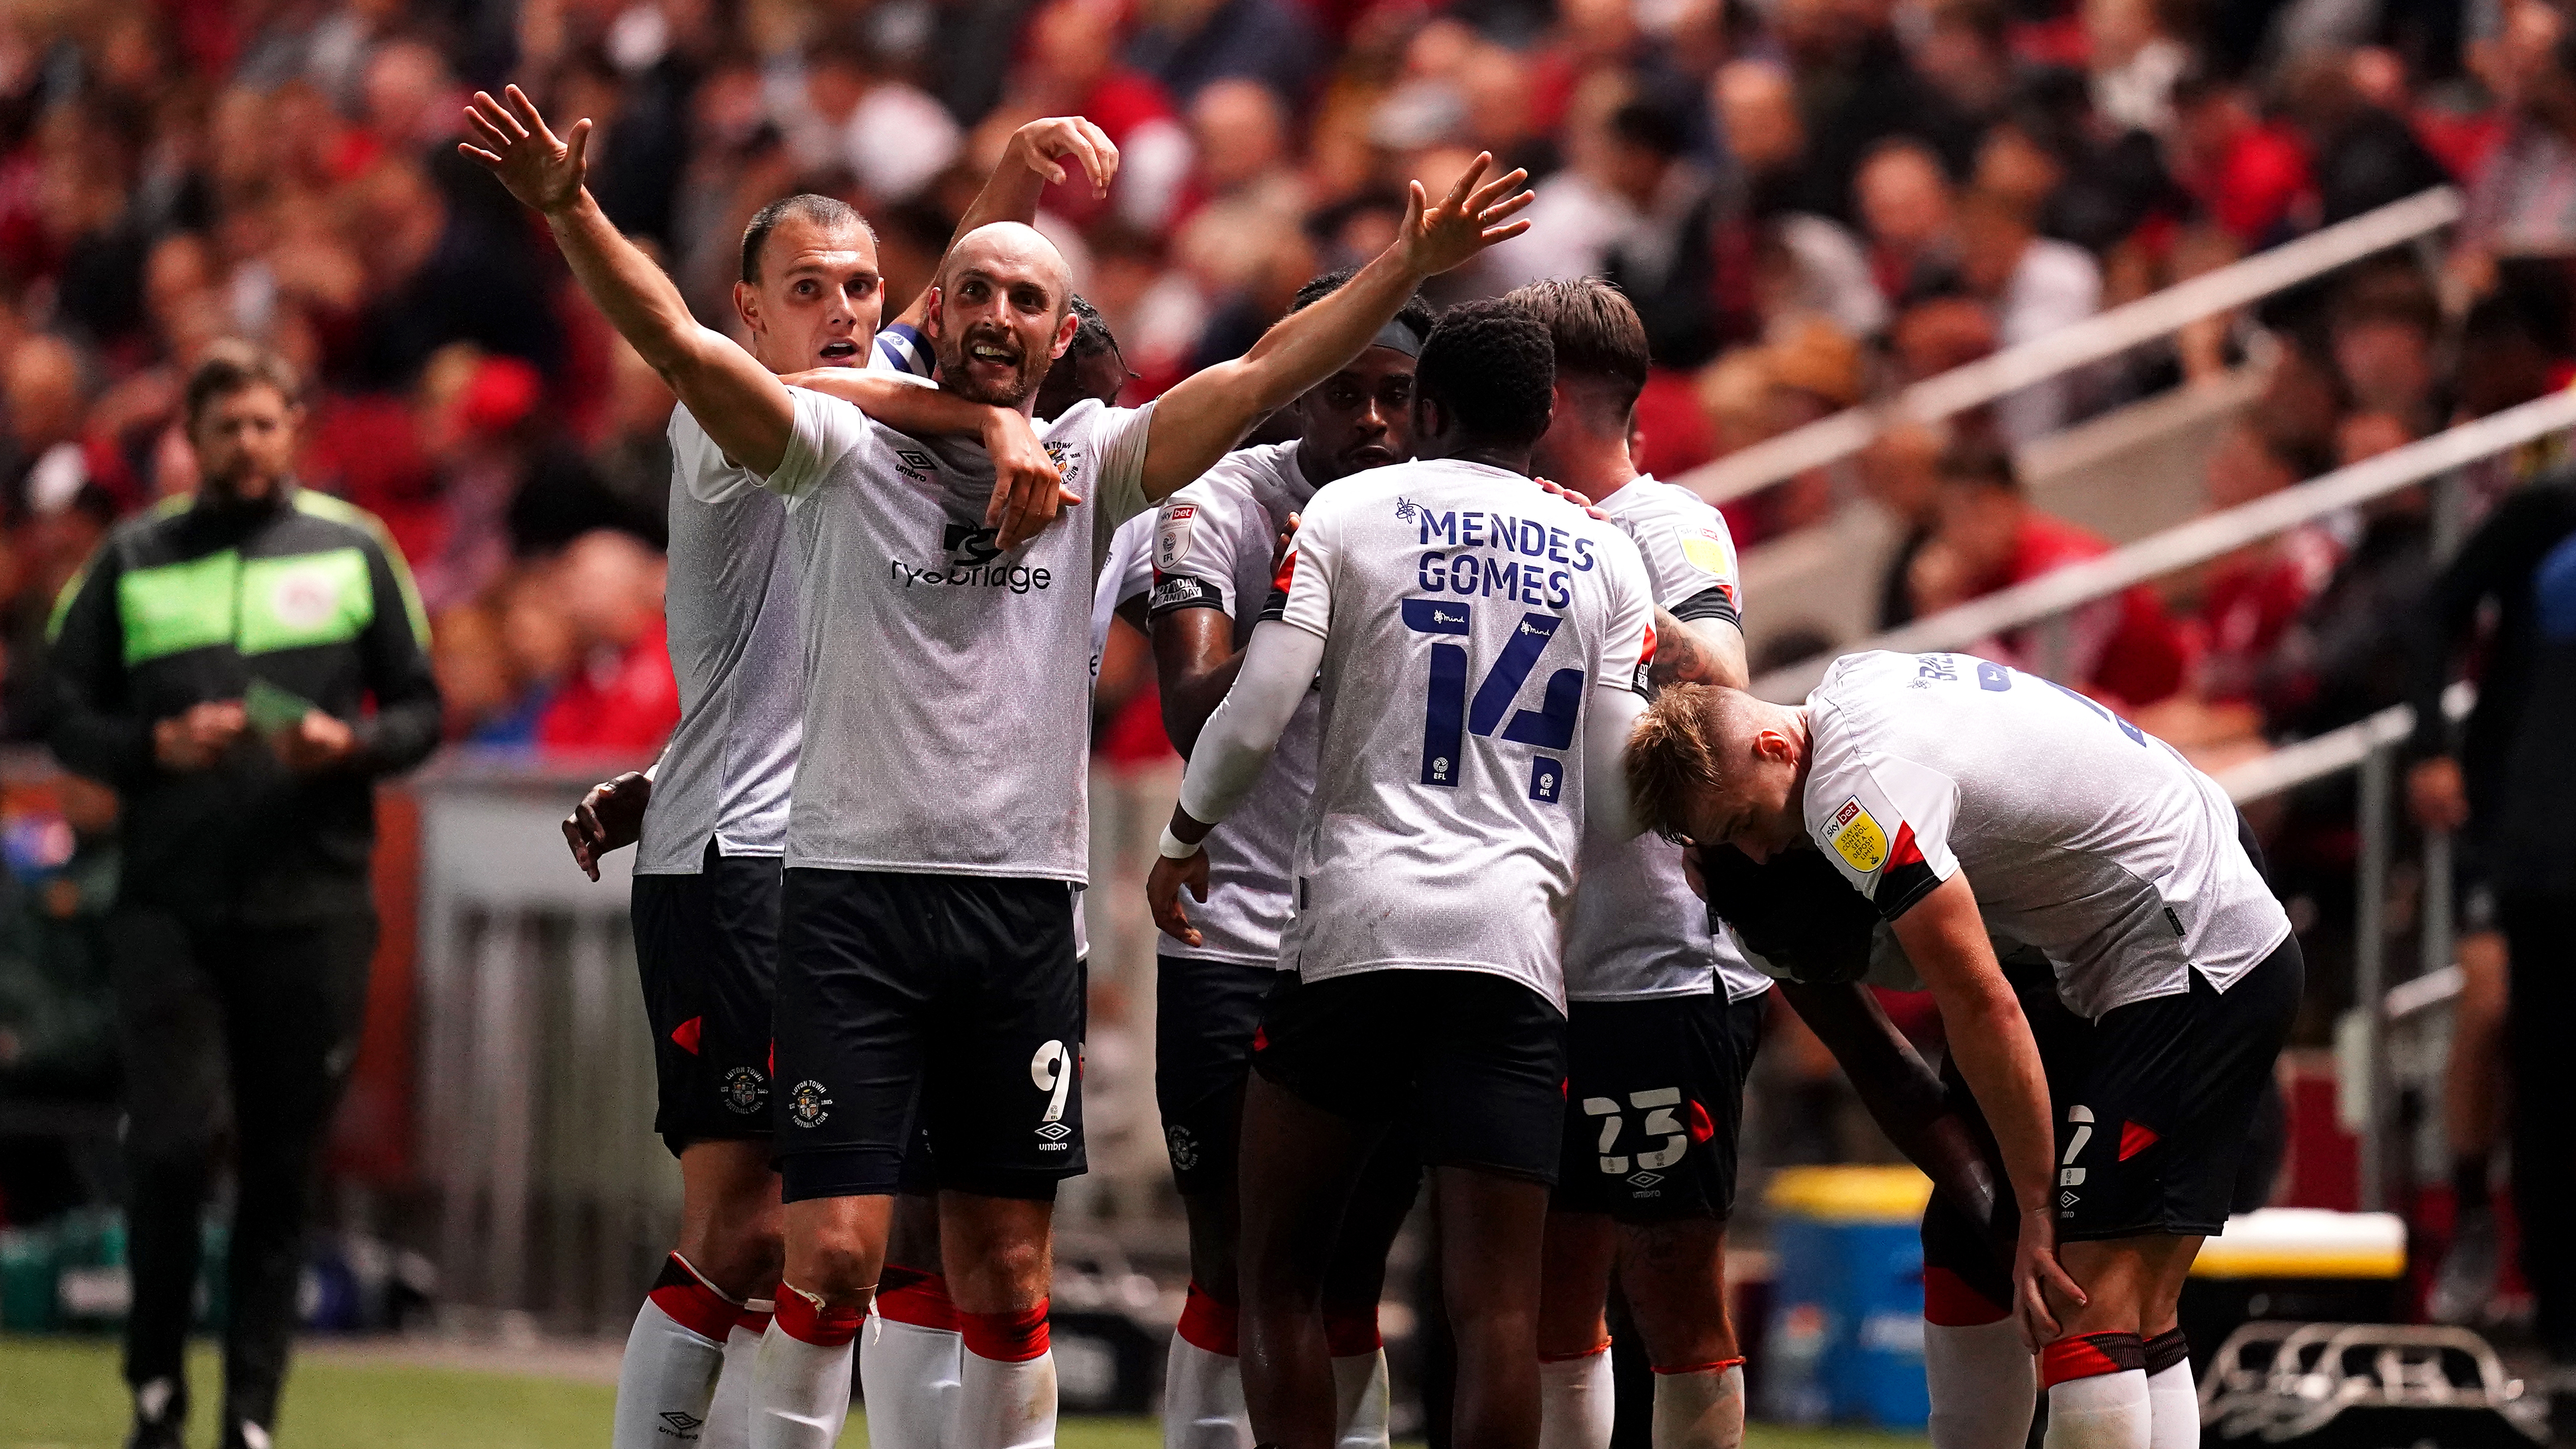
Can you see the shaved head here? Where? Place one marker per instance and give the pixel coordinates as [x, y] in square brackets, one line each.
[1008, 248]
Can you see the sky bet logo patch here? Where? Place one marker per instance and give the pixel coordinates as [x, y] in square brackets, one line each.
[1857, 838]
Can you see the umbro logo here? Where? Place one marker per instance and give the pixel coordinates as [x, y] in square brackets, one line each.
[1645, 1179]
[1055, 1132]
[681, 1424]
[913, 458]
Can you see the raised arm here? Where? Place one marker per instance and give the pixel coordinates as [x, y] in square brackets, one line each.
[743, 407]
[1209, 412]
[1029, 165]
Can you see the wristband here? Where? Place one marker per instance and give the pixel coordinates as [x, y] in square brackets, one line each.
[1173, 847]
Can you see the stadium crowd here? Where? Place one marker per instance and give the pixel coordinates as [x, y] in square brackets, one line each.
[1812, 202]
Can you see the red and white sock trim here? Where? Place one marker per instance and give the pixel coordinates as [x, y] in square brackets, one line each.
[1714, 1366]
[1351, 1332]
[804, 1317]
[1209, 1325]
[909, 1295]
[686, 1297]
[2090, 1356]
[1014, 1337]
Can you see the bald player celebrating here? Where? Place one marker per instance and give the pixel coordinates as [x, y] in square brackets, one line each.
[936, 826]
[707, 874]
[1963, 797]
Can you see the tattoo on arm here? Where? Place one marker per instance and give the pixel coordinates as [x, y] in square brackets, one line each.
[1681, 656]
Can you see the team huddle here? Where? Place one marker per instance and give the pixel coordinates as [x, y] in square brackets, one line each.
[1483, 869]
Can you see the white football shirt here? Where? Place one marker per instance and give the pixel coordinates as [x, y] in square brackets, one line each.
[2082, 835]
[1467, 619]
[947, 695]
[1639, 931]
[730, 604]
[1213, 549]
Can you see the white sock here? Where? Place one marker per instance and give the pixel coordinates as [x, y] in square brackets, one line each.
[1577, 1403]
[2173, 1402]
[729, 1412]
[1985, 1385]
[908, 1374]
[1701, 1409]
[800, 1390]
[1359, 1400]
[664, 1382]
[2100, 1411]
[1005, 1405]
[1203, 1399]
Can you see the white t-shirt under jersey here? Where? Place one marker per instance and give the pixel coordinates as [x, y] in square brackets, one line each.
[2082, 835]
[1639, 931]
[1467, 617]
[1213, 549]
[947, 694]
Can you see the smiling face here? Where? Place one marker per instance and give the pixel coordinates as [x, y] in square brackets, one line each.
[1360, 417]
[1000, 315]
[818, 298]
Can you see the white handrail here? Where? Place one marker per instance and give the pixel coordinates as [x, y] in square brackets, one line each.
[2202, 538]
[2335, 751]
[2103, 335]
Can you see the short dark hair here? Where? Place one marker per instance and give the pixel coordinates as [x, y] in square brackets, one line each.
[231, 365]
[1415, 314]
[1091, 336]
[826, 211]
[1652, 127]
[1599, 338]
[1490, 366]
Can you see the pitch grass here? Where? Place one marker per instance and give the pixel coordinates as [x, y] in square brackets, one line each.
[63, 1393]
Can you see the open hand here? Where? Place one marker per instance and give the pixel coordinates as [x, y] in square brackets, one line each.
[1163, 893]
[543, 172]
[1468, 220]
[2039, 1280]
[1028, 491]
[1040, 143]
[610, 815]
[316, 742]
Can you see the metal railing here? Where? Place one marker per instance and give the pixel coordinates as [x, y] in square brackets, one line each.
[2107, 334]
[2369, 746]
[2055, 594]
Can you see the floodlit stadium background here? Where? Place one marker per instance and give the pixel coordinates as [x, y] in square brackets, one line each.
[1816, 204]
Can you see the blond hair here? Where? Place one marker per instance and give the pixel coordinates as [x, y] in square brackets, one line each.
[1673, 751]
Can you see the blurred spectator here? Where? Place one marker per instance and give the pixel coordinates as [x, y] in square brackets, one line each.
[2255, 593]
[2123, 648]
[1904, 200]
[851, 115]
[1665, 259]
[2035, 286]
[1900, 470]
[2382, 329]
[1188, 45]
[2523, 204]
[620, 694]
[2247, 173]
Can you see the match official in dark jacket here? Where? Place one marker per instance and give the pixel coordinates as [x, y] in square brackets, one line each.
[241, 666]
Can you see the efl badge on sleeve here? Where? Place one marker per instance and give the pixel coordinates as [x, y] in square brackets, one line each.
[1857, 838]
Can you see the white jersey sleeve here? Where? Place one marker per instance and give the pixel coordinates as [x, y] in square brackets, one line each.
[828, 432]
[1884, 821]
[1687, 548]
[900, 347]
[701, 468]
[1638, 932]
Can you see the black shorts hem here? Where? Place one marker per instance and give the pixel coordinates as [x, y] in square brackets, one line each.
[836, 1172]
[2094, 1233]
[679, 1142]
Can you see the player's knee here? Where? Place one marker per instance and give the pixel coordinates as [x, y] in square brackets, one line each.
[841, 1270]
